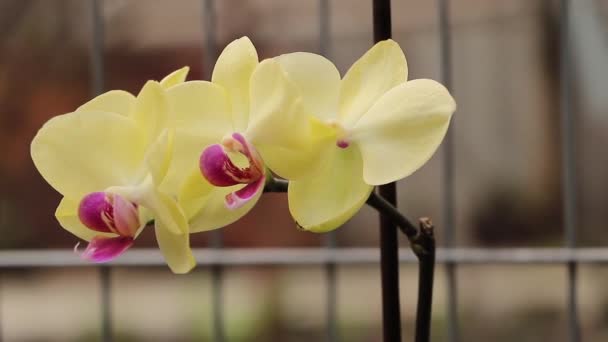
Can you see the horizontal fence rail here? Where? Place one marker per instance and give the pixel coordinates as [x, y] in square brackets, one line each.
[312, 256]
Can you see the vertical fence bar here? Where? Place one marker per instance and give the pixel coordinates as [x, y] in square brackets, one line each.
[97, 85]
[217, 271]
[330, 238]
[445, 45]
[389, 253]
[210, 40]
[106, 313]
[568, 168]
[96, 53]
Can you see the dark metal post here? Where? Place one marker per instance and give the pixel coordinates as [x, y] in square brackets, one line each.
[217, 271]
[445, 41]
[96, 53]
[389, 256]
[568, 168]
[97, 70]
[106, 307]
[330, 238]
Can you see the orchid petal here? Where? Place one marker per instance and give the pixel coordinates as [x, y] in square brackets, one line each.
[175, 78]
[187, 147]
[201, 106]
[200, 111]
[175, 248]
[194, 193]
[151, 110]
[113, 101]
[102, 249]
[403, 129]
[212, 213]
[378, 70]
[326, 201]
[158, 156]
[232, 71]
[279, 127]
[318, 81]
[83, 152]
[165, 210]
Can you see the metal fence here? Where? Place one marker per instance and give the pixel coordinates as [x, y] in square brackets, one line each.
[329, 255]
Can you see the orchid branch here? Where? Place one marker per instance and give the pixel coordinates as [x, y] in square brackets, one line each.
[422, 243]
[275, 185]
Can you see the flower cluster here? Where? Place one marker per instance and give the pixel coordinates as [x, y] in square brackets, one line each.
[195, 155]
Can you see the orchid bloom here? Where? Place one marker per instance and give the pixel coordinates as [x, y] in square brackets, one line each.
[229, 131]
[108, 159]
[378, 128]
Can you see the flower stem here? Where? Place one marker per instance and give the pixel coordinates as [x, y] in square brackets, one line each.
[422, 243]
[275, 185]
[426, 257]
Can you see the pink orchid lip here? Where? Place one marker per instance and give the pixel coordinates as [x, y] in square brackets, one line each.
[95, 212]
[109, 213]
[237, 199]
[217, 167]
[102, 249]
[219, 170]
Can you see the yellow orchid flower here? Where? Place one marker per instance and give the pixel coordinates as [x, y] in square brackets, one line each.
[108, 159]
[378, 128]
[228, 131]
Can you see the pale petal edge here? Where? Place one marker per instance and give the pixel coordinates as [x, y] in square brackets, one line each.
[337, 221]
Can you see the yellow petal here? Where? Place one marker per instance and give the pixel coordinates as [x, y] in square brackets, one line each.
[213, 213]
[318, 81]
[151, 110]
[378, 70]
[279, 127]
[326, 201]
[83, 152]
[200, 111]
[175, 78]
[403, 129]
[164, 208]
[194, 192]
[175, 248]
[67, 215]
[200, 106]
[232, 71]
[187, 147]
[114, 101]
[159, 154]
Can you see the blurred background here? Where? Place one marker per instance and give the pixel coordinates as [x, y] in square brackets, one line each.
[507, 169]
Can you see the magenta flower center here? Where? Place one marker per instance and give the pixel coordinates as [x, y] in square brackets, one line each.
[217, 167]
[109, 213]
